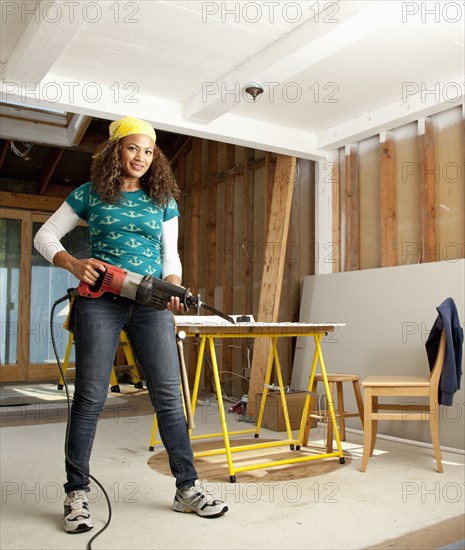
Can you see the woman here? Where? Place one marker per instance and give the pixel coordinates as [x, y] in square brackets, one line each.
[131, 212]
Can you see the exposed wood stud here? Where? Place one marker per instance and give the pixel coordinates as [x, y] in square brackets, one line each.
[336, 215]
[269, 177]
[247, 235]
[428, 251]
[181, 180]
[250, 164]
[195, 215]
[352, 253]
[209, 249]
[227, 260]
[387, 182]
[194, 231]
[292, 255]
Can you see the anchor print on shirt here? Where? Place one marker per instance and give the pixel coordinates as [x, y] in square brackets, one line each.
[95, 232]
[109, 220]
[79, 195]
[129, 203]
[93, 217]
[132, 214]
[93, 201]
[152, 224]
[133, 243]
[133, 228]
[152, 210]
[114, 236]
[110, 207]
[150, 270]
[135, 261]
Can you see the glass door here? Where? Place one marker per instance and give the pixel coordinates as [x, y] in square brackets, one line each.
[48, 284]
[10, 246]
[29, 286]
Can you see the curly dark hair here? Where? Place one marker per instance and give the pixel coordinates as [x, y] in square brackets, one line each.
[107, 176]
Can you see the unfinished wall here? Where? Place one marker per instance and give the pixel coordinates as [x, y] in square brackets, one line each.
[225, 206]
[401, 196]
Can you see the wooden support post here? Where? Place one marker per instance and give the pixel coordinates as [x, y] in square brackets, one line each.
[427, 191]
[387, 184]
[273, 269]
[352, 252]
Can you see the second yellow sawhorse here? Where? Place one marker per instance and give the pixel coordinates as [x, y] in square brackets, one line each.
[131, 364]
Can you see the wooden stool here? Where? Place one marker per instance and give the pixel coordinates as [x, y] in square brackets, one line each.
[340, 413]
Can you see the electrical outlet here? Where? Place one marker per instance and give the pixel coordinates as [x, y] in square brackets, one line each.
[246, 372]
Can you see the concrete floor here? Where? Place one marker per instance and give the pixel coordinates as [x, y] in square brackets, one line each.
[400, 492]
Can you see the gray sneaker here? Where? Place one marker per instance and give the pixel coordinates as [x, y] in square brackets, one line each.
[196, 500]
[77, 516]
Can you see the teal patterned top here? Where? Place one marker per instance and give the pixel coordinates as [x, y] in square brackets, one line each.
[126, 234]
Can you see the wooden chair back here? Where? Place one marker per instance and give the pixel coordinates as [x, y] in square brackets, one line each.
[435, 375]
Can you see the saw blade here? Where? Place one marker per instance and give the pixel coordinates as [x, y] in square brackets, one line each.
[217, 312]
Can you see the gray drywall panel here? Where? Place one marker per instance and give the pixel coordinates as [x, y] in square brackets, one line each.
[388, 314]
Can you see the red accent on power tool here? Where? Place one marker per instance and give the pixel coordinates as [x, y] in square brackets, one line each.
[110, 280]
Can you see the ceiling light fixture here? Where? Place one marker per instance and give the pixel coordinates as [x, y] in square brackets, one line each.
[254, 91]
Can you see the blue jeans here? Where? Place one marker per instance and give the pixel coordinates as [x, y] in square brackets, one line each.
[97, 327]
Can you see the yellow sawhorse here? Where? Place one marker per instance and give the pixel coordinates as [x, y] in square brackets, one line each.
[131, 364]
[208, 333]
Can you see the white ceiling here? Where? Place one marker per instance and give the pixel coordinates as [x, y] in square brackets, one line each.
[330, 77]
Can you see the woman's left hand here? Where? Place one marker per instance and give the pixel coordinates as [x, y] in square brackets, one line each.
[175, 305]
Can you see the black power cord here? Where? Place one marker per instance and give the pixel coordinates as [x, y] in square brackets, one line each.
[68, 296]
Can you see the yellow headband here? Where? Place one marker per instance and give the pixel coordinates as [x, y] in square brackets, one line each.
[128, 125]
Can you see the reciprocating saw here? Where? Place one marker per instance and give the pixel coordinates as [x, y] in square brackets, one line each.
[143, 289]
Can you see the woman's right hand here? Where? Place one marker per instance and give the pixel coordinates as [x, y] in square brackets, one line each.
[86, 270]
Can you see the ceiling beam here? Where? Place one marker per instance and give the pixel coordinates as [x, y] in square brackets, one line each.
[417, 101]
[295, 52]
[77, 127]
[162, 113]
[49, 31]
